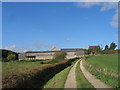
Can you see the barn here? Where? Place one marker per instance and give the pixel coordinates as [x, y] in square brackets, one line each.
[71, 53]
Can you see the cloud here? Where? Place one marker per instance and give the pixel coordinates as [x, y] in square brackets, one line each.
[115, 16]
[104, 7]
[115, 20]
[15, 48]
[33, 47]
[109, 5]
[87, 4]
[114, 23]
[69, 39]
[12, 47]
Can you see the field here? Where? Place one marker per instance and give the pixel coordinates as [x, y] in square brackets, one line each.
[108, 62]
[81, 81]
[59, 79]
[104, 67]
[21, 66]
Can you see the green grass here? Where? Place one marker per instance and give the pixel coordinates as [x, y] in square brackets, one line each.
[59, 79]
[108, 62]
[21, 66]
[109, 80]
[81, 81]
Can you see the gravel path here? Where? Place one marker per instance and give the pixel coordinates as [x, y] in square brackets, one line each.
[92, 79]
[71, 81]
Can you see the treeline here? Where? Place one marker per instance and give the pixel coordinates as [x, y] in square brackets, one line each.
[110, 49]
[8, 55]
[107, 50]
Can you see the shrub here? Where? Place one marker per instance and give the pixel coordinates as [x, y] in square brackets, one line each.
[11, 57]
[4, 59]
[5, 53]
[60, 56]
[41, 62]
[110, 51]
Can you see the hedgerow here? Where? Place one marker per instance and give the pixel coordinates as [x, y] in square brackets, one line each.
[34, 78]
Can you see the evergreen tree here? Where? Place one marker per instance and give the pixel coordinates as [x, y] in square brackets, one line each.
[112, 46]
[106, 47]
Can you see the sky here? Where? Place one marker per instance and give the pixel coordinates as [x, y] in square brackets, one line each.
[41, 25]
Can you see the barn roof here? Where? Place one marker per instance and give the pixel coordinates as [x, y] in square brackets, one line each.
[93, 47]
[66, 50]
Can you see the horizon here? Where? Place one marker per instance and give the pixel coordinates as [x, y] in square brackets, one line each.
[40, 25]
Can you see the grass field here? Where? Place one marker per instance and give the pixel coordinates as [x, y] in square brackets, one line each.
[21, 66]
[81, 81]
[108, 62]
[59, 79]
[104, 67]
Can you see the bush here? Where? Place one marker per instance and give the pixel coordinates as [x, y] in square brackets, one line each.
[110, 51]
[5, 53]
[4, 60]
[41, 62]
[60, 56]
[11, 57]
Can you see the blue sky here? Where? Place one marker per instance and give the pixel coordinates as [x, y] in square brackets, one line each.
[38, 26]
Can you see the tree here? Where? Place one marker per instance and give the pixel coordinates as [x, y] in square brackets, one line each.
[98, 50]
[112, 46]
[88, 51]
[59, 56]
[9, 53]
[106, 47]
[6, 53]
[11, 57]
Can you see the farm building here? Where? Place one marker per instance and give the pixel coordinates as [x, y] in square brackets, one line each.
[94, 49]
[71, 53]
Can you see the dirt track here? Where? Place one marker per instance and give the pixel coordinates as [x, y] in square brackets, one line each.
[92, 79]
[71, 81]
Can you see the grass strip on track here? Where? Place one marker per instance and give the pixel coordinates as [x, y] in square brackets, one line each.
[81, 81]
[59, 79]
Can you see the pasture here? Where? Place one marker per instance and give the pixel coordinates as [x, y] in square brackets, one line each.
[108, 62]
[104, 67]
[21, 66]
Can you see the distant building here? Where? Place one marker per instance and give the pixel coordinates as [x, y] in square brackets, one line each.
[22, 56]
[94, 48]
[54, 48]
[71, 53]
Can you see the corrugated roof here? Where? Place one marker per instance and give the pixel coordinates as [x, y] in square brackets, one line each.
[66, 50]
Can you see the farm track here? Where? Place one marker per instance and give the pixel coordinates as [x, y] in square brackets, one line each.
[71, 80]
[92, 79]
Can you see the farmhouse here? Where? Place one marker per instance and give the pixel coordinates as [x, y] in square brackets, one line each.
[94, 49]
[71, 53]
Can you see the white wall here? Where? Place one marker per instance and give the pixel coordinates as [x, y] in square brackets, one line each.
[50, 55]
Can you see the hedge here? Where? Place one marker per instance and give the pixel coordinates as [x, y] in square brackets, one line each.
[34, 78]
